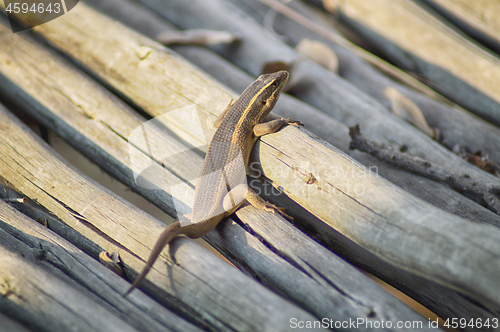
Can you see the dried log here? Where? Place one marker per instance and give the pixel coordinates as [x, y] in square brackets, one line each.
[349, 199]
[320, 297]
[446, 304]
[442, 301]
[420, 43]
[457, 126]
[76, 291]
[292, 144]
[461, 182]
[316, 86]
[199, 285]
[478, 19]
[10, 325]
[65, 305]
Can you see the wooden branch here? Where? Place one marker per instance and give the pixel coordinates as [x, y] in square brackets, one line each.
[444, 302]
[420, 43]
[190, 286]
[490, 194]
[458, 126]
[9, 324]
[328, 34]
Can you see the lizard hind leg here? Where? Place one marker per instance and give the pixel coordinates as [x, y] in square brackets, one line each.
[165, 238]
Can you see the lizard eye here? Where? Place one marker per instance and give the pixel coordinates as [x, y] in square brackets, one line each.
[264, 102]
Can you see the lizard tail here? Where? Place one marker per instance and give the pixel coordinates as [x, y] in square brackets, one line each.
[165, 238]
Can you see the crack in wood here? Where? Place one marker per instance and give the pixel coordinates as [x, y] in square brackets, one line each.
[85, 222]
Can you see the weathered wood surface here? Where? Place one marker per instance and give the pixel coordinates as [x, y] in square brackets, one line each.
[356, 216]
[50, 285]
[480, 19]
[458, 126]
[447, 304]
[316, 292]
[11, 325]
[316, 86]
[420, 43]
[198, 285]
[254, 263]
[259, 264]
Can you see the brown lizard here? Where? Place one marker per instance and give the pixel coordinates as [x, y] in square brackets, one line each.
[221, 189]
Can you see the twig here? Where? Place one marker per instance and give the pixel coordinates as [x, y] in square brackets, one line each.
[463, 183]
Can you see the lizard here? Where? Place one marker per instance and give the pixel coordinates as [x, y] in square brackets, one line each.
[220, 189]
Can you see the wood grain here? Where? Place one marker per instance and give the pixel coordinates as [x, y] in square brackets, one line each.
[422, 44]
[458, 126]
[394, 217]
[54, 284]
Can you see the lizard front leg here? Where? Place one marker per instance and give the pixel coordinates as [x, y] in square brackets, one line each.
[273, 126]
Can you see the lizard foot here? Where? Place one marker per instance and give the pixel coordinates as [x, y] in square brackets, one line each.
[273, 208]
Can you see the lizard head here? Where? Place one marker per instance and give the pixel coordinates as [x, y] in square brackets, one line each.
[267, 89]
